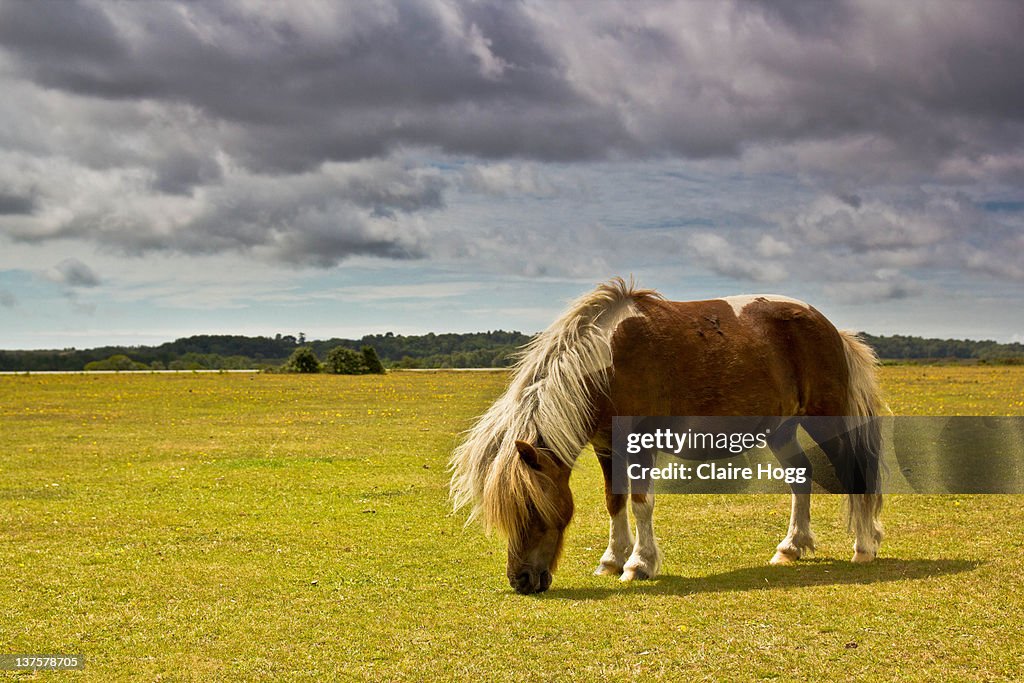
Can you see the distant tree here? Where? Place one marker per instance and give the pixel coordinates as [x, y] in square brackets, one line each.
[118, 361]
[371, 362]
[303, 360]
[344, 361]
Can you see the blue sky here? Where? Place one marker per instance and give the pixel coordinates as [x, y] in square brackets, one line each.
[236, 168]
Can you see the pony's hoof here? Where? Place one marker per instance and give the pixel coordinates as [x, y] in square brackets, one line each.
[781, 558]
[863, 558]
[608, 569]
[635, 574]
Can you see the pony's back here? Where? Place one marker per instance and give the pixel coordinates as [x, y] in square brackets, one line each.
[735, 356]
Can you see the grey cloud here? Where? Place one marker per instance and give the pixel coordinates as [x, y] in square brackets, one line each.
[73, 273]
[52, 31]
[16, 204]
[851, 200]
[870, 226]
[220, 126]
[327, 243]
[882, 250]
[7, 299]
[331, 82]
[887, 245]
[882, 287]
[1004, 261]
[578, 251]
[180, 172]
[320, 219]
[503, 79]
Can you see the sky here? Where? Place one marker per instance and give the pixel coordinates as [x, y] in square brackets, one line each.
[340, 169]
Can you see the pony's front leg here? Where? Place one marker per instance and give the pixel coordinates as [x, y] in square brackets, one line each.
[620, 538]
[645, 562]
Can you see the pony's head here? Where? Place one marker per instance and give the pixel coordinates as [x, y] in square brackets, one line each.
[531, 503]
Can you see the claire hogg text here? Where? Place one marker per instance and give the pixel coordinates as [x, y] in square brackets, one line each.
[772, 454]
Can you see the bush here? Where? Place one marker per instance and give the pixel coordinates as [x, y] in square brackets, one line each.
[343, 361]
[371, 362]
[303, 360]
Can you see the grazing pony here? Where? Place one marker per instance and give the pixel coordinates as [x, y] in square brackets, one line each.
[620, 350]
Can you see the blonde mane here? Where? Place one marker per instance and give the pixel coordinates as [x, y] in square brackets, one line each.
[550, 396]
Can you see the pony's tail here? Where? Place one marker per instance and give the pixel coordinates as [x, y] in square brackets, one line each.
[864, 401]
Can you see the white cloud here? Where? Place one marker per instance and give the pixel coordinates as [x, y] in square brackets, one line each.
[770, 247]
[716, 253]
[504, 179]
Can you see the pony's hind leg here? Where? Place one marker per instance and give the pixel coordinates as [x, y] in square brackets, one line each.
[854, 453]
[799, 537]
[864, 522]
[620, 538]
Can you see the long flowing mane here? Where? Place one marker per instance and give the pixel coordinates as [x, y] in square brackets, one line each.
[550, 396]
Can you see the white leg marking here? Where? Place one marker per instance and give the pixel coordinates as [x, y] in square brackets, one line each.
[645, 562]
[799, 536]
[620, 545]
[867, 529]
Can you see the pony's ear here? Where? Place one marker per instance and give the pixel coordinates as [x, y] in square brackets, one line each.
[529, 455]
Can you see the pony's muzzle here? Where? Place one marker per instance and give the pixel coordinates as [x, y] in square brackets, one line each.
[529, 582]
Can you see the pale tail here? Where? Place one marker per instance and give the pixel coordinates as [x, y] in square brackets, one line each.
[550, 395]
[865, 400]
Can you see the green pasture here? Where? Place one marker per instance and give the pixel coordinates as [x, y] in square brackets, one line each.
[208, 527]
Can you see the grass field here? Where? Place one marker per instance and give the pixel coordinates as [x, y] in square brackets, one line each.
[273, 527]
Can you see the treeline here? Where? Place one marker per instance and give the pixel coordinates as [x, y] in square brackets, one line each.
[476, 350]
[227, 352]
[901, 347]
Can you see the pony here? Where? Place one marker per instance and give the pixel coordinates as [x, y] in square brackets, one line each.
[623, 350]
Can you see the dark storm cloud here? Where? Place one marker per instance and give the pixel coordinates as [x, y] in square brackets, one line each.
[851, 200]
[500, 79]
[206, 127]
[299, 88]
[16, 204]
[179, 172]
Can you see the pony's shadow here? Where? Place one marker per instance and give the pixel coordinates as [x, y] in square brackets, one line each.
[808, 573]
